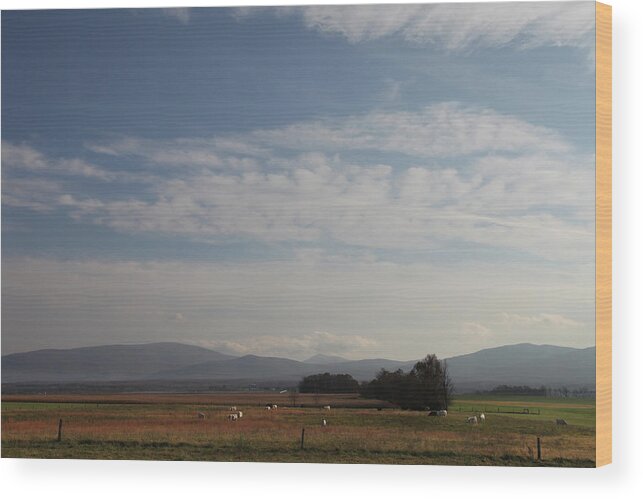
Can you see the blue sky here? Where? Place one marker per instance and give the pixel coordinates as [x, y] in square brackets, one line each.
[365, 181]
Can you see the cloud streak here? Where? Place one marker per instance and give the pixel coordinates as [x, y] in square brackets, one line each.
[474, 177]
[26, 158]
[553, 320]
[298, 347]
[370, 213]
[181, 14]
[455, 27]
[373, 308]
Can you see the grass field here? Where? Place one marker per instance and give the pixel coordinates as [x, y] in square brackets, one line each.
[166, 427]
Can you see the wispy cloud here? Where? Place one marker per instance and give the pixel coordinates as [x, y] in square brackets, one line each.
[296, 308]
[440, 130]
[552, 320]
[475, 329]
[475, 177]
[22, 156]
[181, 14]
[409, 223]
[460, 26]
[296, 346]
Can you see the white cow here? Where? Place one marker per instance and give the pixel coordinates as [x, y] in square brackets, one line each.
[233, 408]
[324, 422]
[472, 420]
[200, 415]
[274, 406]
[268, 407]
[240, 414]
[232, 417]
[442, 413]
[482, 418]
[327, 407]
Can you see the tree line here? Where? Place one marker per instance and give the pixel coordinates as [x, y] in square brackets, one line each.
[518, 390]
[541, 391]
[427, 385]
[329, 383]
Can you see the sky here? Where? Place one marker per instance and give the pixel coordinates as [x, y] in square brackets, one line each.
[364, 181]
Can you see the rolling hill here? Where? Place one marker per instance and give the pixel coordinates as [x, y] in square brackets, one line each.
[325, 359]
[522, 364]
[102, 363]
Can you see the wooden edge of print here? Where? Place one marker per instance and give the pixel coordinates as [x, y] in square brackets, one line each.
[603, 234]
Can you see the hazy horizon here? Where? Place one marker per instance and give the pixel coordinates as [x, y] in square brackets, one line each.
[301, 358]
[364, 181]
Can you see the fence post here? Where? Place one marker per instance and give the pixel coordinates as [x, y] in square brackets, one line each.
[303, 430]
[60, 429]
[538, 447]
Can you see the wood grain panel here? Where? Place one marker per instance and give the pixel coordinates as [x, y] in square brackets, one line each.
[603, 234]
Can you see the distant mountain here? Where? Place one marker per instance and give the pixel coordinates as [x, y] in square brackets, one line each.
[325, 359]
[102, 363]
[523, 364]
[250, 367]
[262, 369]
[364, 370]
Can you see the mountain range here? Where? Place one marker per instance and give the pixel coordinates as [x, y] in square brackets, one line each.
[521, 364]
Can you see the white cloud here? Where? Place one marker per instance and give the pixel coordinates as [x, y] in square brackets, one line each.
[475, 329]
[363, 206]
[550, 320]
[370, 307]
[36, 194]
[193, 154]
[460, 27]
[298, 346]
[440, 130]
[181, 14]
[24, 157]
[509, 185]
[360, 23]
[443, 130]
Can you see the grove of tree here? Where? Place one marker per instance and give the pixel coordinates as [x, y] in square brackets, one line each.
[329, 383]
[427, 385]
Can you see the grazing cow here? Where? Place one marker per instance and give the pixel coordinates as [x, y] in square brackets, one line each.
[561, 422]
[442, 413]
[324, 422]
[240, 414]
[268, 407]
[232, 417]
[233, 408]
[482, 418]
[472, 420]
[327, 407]
[200, 415]
[274, 406]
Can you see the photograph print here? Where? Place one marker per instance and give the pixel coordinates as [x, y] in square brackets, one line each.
[325, 234]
